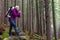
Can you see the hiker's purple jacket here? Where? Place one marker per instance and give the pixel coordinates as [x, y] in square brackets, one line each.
[15, 13]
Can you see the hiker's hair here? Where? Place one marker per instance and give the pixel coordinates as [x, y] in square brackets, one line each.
[17, 7]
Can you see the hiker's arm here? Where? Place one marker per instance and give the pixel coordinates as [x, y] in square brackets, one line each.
[19, 13]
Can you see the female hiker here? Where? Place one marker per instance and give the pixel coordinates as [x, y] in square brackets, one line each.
[12, 13]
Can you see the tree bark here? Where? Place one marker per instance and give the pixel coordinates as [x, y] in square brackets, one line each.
[5, 10]
[54, 21]
[48, 23]
[23, 14]
[37, 17]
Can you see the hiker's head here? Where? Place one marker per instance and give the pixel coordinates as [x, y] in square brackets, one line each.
[17, 7]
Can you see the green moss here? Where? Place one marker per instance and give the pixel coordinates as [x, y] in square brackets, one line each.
[4, 35]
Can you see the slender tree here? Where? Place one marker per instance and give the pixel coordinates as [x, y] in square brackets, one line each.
[0, 12]
[23, 14]
[5, 9]
[48, 23]
[27, 16]
[41, 17]
[30, 15]
[54, 21]
[32, 27]
[14, 2]
[37, 17]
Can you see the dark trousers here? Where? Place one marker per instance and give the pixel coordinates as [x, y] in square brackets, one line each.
[12, 25]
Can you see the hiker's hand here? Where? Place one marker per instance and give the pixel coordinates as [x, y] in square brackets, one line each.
[20, 12]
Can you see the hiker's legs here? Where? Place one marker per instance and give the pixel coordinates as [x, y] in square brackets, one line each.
[10, 30]
[14, 26]
[12, 22]
[16, 29]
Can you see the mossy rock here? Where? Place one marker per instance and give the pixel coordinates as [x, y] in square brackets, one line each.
[14, 38]
[4, 35]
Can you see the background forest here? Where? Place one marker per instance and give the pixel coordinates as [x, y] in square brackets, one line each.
[40, 19]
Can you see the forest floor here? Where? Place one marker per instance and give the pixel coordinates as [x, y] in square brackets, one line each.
[4, 35]
[23, 36]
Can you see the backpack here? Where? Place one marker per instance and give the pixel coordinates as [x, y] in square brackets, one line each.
[9, 11]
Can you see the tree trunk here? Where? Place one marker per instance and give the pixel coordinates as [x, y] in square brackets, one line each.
[41, 16]
[42, 23]
[32, 27]
[5, 10]
[27, 15]
[23, 15]
[37, 17]
[30, 15]
[48, 23]
[54, 21]
[0, 12]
